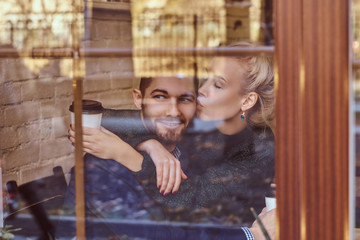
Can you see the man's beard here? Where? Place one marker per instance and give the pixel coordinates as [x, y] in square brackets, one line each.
[169, 137]
[165, 136]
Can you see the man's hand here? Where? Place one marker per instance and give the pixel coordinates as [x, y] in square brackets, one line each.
[98, 142]
[168, 168]
[106, 145]
[269, 221]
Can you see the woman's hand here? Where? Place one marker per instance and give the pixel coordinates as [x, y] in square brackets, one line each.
[106, 145]
[269, 221]
[168, 168]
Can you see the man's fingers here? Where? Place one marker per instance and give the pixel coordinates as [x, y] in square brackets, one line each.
[88, 150]
[94, 139]
[89, 147]
[90, 131]
[72, 140]
[85, 130]
[71, 133]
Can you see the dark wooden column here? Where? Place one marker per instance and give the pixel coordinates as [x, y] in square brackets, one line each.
[312, 52]
[288, 123]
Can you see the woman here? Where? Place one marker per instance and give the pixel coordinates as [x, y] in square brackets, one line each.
[236, 160]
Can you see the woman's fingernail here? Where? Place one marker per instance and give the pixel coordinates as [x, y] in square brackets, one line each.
[165, 194]
[174, 192]
[69, 137]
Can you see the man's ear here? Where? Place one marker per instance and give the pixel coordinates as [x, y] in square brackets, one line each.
[249, 101]
[137, 97]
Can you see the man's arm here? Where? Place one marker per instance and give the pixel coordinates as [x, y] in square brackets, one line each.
[106, 145]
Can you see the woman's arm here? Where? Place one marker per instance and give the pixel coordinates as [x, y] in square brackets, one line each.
[106, 145]
[245, 180]
[168, 169]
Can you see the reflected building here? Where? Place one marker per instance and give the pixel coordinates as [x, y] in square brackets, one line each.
[183, 24]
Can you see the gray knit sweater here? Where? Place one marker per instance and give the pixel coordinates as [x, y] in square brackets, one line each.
[227, 174]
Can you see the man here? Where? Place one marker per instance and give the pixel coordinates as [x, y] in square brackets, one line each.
[167, 106]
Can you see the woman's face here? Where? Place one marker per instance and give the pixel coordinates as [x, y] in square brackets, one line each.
[219, 96]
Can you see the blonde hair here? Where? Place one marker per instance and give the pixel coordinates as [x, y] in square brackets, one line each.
[259, 78]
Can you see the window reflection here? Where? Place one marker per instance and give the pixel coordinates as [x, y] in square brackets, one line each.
[39, 93]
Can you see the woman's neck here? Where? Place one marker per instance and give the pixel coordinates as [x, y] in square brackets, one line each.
[232, 126]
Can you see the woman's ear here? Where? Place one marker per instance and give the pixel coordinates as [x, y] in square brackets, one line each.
[137, 97]
[249, 101]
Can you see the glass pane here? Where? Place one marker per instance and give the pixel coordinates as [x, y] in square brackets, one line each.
[36, 89]
[144, 61]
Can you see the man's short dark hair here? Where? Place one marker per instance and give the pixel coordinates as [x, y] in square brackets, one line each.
[145, 82]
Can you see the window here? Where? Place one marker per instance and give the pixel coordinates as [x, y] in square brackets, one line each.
[46, 64]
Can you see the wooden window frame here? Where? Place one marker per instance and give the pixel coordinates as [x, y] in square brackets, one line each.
[312, 110]
[312, 63]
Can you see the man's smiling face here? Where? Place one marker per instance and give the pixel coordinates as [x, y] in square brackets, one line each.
[168, 105]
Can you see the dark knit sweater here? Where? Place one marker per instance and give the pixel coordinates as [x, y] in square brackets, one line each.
[228, 174]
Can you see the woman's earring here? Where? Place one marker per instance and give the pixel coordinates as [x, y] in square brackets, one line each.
[242, 117]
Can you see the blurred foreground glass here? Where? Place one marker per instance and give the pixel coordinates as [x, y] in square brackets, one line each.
[36, 42]
[162, 35]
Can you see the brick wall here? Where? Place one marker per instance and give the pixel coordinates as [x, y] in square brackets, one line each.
[34, 104]
[33, 120]
[109, 80]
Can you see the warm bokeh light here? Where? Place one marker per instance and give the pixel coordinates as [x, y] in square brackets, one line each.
[175, 24]
[28, 25]
[185, 24]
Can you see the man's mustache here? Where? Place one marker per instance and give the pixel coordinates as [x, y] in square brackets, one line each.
[166, 120]
[170, 120]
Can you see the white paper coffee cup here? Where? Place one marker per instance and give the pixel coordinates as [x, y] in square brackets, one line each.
[270, 203]
[91, 113]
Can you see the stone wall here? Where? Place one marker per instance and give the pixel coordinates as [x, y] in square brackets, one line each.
[34, 120]
[34, 104]
[109, 80]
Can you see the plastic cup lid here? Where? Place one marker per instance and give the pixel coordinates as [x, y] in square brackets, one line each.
[89, 107]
